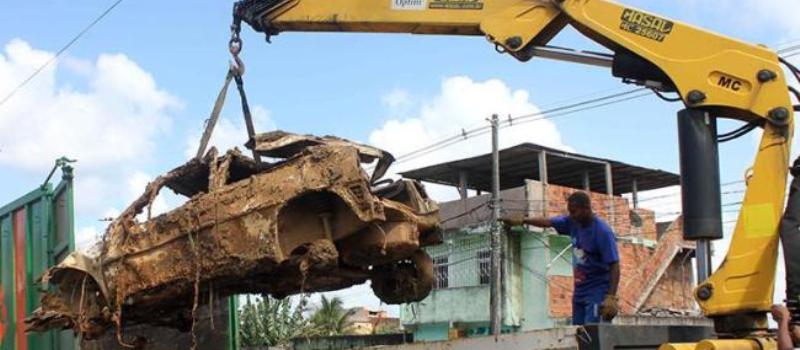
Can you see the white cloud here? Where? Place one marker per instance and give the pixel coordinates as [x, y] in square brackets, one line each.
[111, 125]
[86, 236]
[92, 192]
[231, 132]
[461, 103]
[397, 98]
[137, 182]
[116, 119]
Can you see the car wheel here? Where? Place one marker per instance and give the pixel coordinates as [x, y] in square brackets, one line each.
[404, 281]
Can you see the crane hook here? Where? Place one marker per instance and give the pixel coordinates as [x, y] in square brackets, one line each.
[235, 45]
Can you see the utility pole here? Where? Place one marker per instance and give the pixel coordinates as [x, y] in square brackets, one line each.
[495, 292]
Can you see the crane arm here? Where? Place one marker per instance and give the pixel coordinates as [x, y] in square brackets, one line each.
[722, 72]
[712, 73]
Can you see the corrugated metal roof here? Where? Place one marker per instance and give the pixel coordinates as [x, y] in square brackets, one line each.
[521, 162]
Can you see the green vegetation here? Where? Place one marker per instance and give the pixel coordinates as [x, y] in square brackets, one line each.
[270, 322]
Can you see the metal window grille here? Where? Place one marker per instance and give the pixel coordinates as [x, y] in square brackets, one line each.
[485, 266]
[441, 265]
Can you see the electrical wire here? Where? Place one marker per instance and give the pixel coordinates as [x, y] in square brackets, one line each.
[466, 213]
[568, 109]
[525, 118]
[792, 55]
[788, 49]
[59, 52]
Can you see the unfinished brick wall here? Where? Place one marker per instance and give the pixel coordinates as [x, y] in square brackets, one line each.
[674, 290]
[633, 258]
[661, 273]
[560, 290]
[646, 227]
[620, 221]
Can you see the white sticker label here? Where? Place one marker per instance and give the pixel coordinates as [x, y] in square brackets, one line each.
[408, 4]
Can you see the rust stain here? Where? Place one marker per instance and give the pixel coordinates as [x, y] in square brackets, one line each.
[20, 281]
[3, 315]
[312, 221]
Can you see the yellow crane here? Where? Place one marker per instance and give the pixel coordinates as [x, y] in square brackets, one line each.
[715, 77]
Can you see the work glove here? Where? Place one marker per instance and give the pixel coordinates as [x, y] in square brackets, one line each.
[609, 308]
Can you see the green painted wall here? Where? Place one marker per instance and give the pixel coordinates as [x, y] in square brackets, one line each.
[531, 257]
[534, 258]
[465, 304]
[432, 332]
[560, 265]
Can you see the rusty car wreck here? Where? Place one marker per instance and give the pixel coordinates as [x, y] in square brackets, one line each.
[311, 221]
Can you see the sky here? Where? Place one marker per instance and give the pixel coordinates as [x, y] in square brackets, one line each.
[130, 98]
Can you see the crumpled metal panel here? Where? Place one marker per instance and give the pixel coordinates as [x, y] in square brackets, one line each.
[282, 144]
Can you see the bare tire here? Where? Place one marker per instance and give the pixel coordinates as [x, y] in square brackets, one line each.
[404, 281]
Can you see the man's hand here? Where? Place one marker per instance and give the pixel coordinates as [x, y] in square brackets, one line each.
[780, 313]
[609, 308]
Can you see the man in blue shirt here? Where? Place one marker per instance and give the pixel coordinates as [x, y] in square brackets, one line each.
[595, 259]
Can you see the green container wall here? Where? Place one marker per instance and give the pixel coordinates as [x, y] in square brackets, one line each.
[36, 232]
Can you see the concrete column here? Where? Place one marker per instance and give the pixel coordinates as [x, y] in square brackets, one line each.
[610, 192]
[496, 297]
[462, 184]
[462, 187]
[587, 185]
[544, 181]
[635, 193]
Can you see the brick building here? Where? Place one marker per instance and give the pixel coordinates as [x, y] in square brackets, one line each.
[656, 264]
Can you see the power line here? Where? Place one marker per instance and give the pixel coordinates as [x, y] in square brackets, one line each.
[792, 55]
[526, 118]
[59, 53]
[469, 133]
[783, 45]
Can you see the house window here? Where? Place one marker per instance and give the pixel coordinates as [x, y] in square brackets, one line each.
[485, 266]
[440, 265]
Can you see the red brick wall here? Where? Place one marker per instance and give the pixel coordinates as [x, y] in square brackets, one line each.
[647, 229]
[674, 290]
[632, 258]
[621, 220]
[560, 290]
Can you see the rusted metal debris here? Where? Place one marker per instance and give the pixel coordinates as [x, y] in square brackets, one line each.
[313, 221]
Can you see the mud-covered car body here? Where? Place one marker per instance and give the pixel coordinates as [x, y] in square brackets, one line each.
[313, 221]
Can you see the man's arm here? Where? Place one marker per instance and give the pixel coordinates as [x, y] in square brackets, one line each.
[609, 308]
[560, 223]
[538, 222]
[614, 280]
[608, 251]
[781, 315]
[518, 219]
